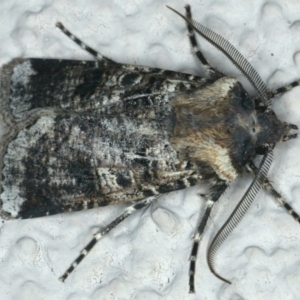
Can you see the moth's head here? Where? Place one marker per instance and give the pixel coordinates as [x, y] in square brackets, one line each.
[272, 130]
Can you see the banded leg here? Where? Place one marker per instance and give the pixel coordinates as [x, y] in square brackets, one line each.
[216, 191]
[285, 88]
[280, 90]
[84, 46]
[210, 71]
[131, 209]
[269, 187]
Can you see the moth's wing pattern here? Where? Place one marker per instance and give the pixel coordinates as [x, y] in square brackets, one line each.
[86, 86]
[81, 134]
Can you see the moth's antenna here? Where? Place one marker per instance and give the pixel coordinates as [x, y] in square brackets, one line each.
[239, 212]
[233, 54]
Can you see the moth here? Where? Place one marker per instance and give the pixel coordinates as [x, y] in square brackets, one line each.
[86, 134]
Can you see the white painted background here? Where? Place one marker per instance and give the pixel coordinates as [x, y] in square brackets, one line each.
[147, 256]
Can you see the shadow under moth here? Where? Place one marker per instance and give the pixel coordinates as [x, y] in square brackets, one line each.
[85, 134]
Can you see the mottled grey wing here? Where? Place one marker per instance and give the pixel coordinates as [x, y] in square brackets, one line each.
[87, 86]
[81, 136]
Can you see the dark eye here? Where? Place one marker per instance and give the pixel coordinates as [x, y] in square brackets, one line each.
[261, 150]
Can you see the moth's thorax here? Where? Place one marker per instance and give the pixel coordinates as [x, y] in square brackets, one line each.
[218, 125]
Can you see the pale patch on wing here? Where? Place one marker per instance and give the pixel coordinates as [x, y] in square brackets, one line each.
[20, 77]
[12, 195]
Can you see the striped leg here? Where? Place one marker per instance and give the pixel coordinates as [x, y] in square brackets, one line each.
[285, 88]
[269, 187]
[210, 71]
[131, 209]
[216, 191]
[85, 47]
[282, 89]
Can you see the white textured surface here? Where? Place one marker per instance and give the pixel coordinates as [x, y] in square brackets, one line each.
[146, 257]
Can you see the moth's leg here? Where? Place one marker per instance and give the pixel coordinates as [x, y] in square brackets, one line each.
[97, 236]
[280, 90]
[284, 88]
[84, 46]
[269, 187]
[217, 189]
[210, 71]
